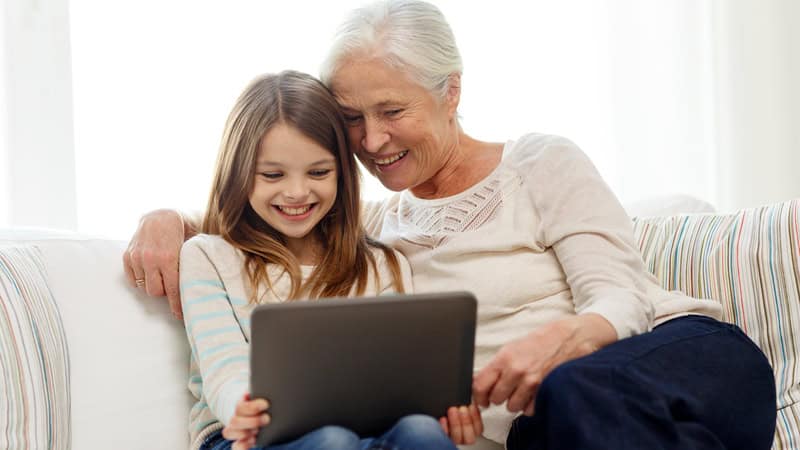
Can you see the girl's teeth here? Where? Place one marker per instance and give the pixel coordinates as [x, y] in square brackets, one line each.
[391, 159]
[294, 211]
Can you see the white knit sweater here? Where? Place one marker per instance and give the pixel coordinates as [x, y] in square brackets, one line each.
[541, 238]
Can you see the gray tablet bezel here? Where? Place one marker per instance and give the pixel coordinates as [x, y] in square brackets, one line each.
[366, 362]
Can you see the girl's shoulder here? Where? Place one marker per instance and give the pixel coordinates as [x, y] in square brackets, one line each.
[380, 255]
[213, 247]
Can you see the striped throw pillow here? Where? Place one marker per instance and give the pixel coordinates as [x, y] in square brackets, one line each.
[34, 366]
[750, 262]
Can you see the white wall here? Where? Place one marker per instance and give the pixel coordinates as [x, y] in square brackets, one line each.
[5, 182]
[37, 156]
[687, 95]
[758, 73]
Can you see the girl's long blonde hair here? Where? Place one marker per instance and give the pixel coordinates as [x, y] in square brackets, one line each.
[301, 101]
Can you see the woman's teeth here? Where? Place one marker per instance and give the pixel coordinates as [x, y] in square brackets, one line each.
[391, 159]
[294, 211]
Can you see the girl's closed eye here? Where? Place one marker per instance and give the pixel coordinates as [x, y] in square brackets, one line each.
[352, 119]
[319, 173]
[271, 175]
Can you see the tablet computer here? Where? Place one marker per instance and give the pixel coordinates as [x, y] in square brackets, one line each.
[360, 363]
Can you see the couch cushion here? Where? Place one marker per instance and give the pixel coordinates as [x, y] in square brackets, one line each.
[129, 357]
[750, 262]
[34, 363]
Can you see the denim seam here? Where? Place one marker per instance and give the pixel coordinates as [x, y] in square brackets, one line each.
[620, 436]
[381, 444]
[652, 350]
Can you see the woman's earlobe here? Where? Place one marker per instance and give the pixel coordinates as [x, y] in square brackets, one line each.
[453, 93]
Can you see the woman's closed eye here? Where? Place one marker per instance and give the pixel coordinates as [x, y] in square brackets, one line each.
[394, 112]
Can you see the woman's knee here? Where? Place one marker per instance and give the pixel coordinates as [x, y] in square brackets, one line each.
[567, 381]
[335, 438]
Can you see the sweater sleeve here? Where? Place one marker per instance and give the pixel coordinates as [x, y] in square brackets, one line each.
[405, 275]
[590, 233]
[219, 345]
[373, 212]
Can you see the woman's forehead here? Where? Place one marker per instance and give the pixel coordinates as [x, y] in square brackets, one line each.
[372, 84]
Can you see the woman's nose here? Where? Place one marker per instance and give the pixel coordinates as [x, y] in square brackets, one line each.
[375, 136]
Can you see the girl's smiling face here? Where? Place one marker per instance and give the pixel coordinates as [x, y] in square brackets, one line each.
[294, 186]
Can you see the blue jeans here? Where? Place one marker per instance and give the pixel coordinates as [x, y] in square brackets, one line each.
[692, 383]
[413, 432]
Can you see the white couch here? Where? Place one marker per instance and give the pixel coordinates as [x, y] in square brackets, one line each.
[128, 357]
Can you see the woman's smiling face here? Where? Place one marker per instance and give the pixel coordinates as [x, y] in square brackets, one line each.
[401, 133]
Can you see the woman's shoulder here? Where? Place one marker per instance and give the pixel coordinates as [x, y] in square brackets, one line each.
[385, 272]
[538, 148]
[373, 212]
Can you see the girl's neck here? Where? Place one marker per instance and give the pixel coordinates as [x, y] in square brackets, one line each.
[307, 250]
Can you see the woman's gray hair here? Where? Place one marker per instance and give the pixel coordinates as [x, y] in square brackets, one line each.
[408, 35]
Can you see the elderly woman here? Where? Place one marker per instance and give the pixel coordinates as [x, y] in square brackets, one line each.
[577, 347]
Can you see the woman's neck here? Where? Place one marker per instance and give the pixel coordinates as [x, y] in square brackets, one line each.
[468, 163]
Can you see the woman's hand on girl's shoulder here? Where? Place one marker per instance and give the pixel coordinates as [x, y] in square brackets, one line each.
[463, 424]
[151, 259]
[249, 417]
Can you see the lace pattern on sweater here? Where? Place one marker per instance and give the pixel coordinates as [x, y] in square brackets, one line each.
[433, 225]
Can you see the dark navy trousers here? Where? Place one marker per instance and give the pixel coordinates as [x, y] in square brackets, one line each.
[693, 383]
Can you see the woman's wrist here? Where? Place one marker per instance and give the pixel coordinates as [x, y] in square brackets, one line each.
[584, 334]
[594, 330]
[191, 224]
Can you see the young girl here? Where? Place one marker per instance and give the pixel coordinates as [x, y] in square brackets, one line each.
[282, 224]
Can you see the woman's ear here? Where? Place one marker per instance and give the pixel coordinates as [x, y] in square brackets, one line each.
[453, 96]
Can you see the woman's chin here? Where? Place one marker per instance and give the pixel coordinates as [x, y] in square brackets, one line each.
[392, 183]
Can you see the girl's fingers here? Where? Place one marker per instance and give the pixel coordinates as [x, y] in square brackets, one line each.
[443, 423]
[244, 443]
[467, 427]
[454, 419]
[244, 423]
[232, 434]
[477, 420]
[251, 407]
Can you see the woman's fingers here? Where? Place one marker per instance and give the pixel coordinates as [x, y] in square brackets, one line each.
[128, 265]
[530, 407]
[445, 427]
[153, 253]
[483, 382]
[523, 394]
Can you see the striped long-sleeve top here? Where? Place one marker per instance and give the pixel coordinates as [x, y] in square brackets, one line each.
[216, 309]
